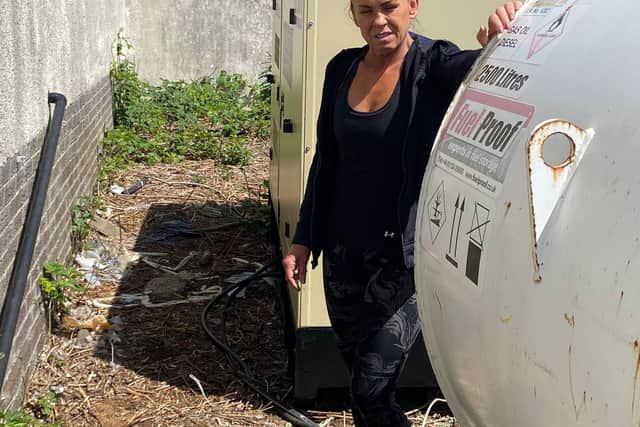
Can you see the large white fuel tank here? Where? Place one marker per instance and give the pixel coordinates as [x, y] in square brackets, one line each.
[528, 238]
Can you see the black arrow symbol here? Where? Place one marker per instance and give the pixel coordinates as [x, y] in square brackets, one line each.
[453, 224]
[455, 253]
[455, 230]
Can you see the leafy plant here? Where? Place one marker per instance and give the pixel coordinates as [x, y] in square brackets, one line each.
[56, 281]
[44, 406]
[212, 117]
[81, 215]
[21, 419]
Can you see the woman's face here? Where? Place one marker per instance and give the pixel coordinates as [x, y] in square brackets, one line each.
[384, 24]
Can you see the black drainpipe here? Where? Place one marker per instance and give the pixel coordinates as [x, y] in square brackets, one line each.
[22, 264]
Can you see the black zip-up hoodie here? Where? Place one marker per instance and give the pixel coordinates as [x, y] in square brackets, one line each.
[428, 84]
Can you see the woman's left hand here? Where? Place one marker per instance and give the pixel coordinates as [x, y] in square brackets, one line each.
[498, 22]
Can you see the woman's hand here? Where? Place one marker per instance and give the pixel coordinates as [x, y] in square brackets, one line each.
[498, 22]
[295, 266]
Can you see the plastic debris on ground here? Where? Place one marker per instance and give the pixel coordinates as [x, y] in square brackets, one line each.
[98, 264]
[175, 269]
[173, 230]
[97, 323]
[132, 189]
[101, 263]
[144, 300]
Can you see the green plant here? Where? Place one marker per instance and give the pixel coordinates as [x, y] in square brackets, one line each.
[208, 118]
[81, 215]
[44, 406]
[56, 281]
[21, 419]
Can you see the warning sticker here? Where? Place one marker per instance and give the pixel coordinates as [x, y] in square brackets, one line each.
[502, 77]
[437, 213]
[537, 30]
[475, 144]
[548, 33]
[462, 240]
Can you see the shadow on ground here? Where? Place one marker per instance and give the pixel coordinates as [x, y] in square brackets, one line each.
[187, 254]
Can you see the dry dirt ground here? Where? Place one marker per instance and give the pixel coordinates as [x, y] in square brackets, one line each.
[147, 361]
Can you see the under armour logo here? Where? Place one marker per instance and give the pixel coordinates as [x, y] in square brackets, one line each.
[389, 234]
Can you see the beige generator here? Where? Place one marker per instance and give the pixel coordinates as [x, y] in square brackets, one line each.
[306, 35]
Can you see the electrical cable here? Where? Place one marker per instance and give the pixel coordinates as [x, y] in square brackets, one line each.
[426, 415]
[288, 413]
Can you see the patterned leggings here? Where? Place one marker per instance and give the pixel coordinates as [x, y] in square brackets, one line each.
[376, 324]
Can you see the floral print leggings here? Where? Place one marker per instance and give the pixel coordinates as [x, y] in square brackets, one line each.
[376, 322]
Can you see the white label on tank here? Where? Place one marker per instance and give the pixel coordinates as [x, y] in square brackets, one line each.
[502, 77]
[478, 136]
[537, 30]
[456, 224]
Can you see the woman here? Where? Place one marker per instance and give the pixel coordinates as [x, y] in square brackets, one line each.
[381, 107]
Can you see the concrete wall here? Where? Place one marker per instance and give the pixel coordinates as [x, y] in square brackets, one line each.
[62, 46]
[185, 39]
[66, 46]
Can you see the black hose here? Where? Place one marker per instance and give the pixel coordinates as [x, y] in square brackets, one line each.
[288, 413]
[24, 256]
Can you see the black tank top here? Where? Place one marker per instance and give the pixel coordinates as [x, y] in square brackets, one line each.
[367, 182]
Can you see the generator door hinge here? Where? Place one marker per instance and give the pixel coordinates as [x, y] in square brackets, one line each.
[292, 17]
[275, 5]
[287, 230]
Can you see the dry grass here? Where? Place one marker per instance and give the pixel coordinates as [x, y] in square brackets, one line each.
[157, 367]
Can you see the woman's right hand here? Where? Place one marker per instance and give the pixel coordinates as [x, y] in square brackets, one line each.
[295, 265]
[498, 22]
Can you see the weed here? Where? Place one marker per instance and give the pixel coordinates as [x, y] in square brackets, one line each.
[56, 281]
[226, 173]
[44, 406]
[21, 419]
[198, 179]
[55, 360]
[81, 215]
[208, 118]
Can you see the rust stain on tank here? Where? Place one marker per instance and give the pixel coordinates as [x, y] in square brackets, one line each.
[556, 127]
[537, 277]
[557, 172]
[508, 208]
[545, 175]
[571, 320]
